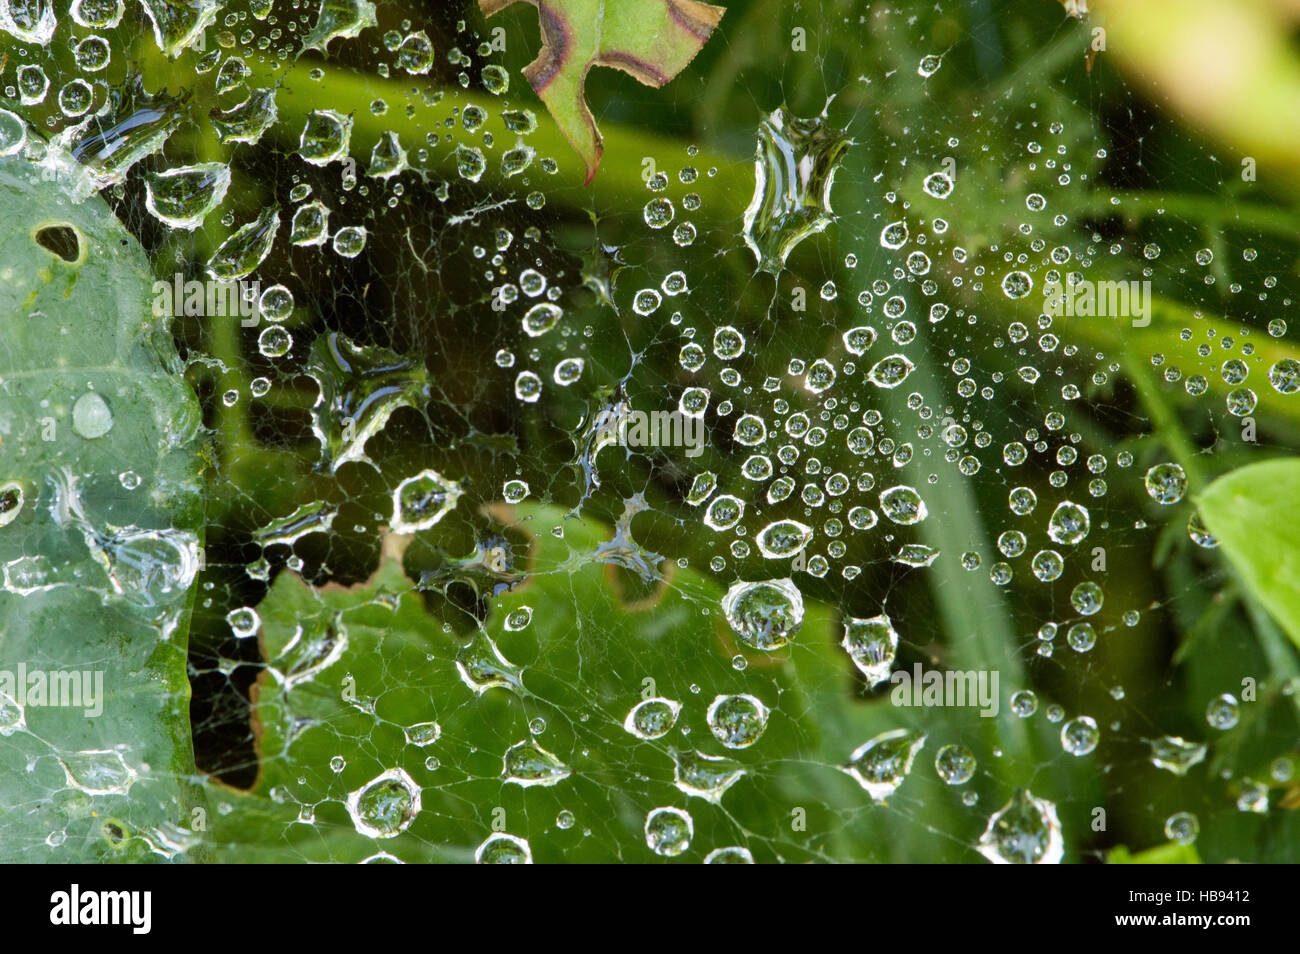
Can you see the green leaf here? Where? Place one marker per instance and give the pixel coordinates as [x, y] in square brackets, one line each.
[650, 40]
[1254, 513]
[1170, 853]
[356, 676]
[100, 521]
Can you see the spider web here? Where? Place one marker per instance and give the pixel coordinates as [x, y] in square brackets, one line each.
[452, 678]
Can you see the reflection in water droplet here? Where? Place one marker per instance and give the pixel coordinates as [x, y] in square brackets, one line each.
[705, 776]
[386, 805]
[1175, 754]
[668, 831]
[737, 721]
[794, 170]
[1166, 483]
[652, 718]
[183, 197]
[955, 764]
[733, 855]
[527, 764]
[881, 764]
[503, 849]
[1182, 828]
[421, 501]
[1024, 831]
[871, 644]
[764, 614]
[246, 248]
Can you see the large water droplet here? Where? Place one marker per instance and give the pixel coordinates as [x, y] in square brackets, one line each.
[880, 764]
[503, 849]
[794, 169]
[1175, 754]
[386, 805]
[668, 831]
[871, 644]
[705, 776]
[652, 718]
[1024, 831]
[1166, 483]
[182, 197]
[1069, 523]
[527, 764]
[246, 248]
[91, 417]
[782, 539]
[421, 501]
[764, 614]
[737, 721]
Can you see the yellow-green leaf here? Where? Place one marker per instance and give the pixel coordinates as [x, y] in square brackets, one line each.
[1253, 512]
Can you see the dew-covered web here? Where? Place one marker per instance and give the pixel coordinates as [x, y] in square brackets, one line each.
[452, 606]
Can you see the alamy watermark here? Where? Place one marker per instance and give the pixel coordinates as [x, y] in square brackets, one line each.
[1089, 299]
[207, 298]
[64, 689]
[75, 906]
[954, 687]
[630, 428]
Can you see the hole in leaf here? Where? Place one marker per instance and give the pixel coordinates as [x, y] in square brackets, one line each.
[62, 240]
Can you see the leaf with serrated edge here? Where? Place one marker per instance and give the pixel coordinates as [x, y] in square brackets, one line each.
[651, 40]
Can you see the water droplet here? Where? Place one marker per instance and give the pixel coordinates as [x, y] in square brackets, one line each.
[246, 248]
[1024, 831]
[938, 184]
[705, 776]
[339, 19]
[652, 718]
[310, 225]
[903, 505]
[732, 855]
[1016, 285]
[350, 240]
[482, 667]
[423, 733]
[503, 849]
[244, 622]
[386, 805]
[737, 721]
[1222, 712]
[415, 54]
[881, 764]
[91, 417]
[31, 21]
[764, 614]
[1069, 523]
[658, 212]
[783, 539]
[794, 170]
[890, 372]
[1080, 736]
[668, 831]
[247, 121]
[183, 197]
[421, 501]
[1175, 754]
[871, 644]
[1166, 483]
[955, 764]
[1182, 828]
